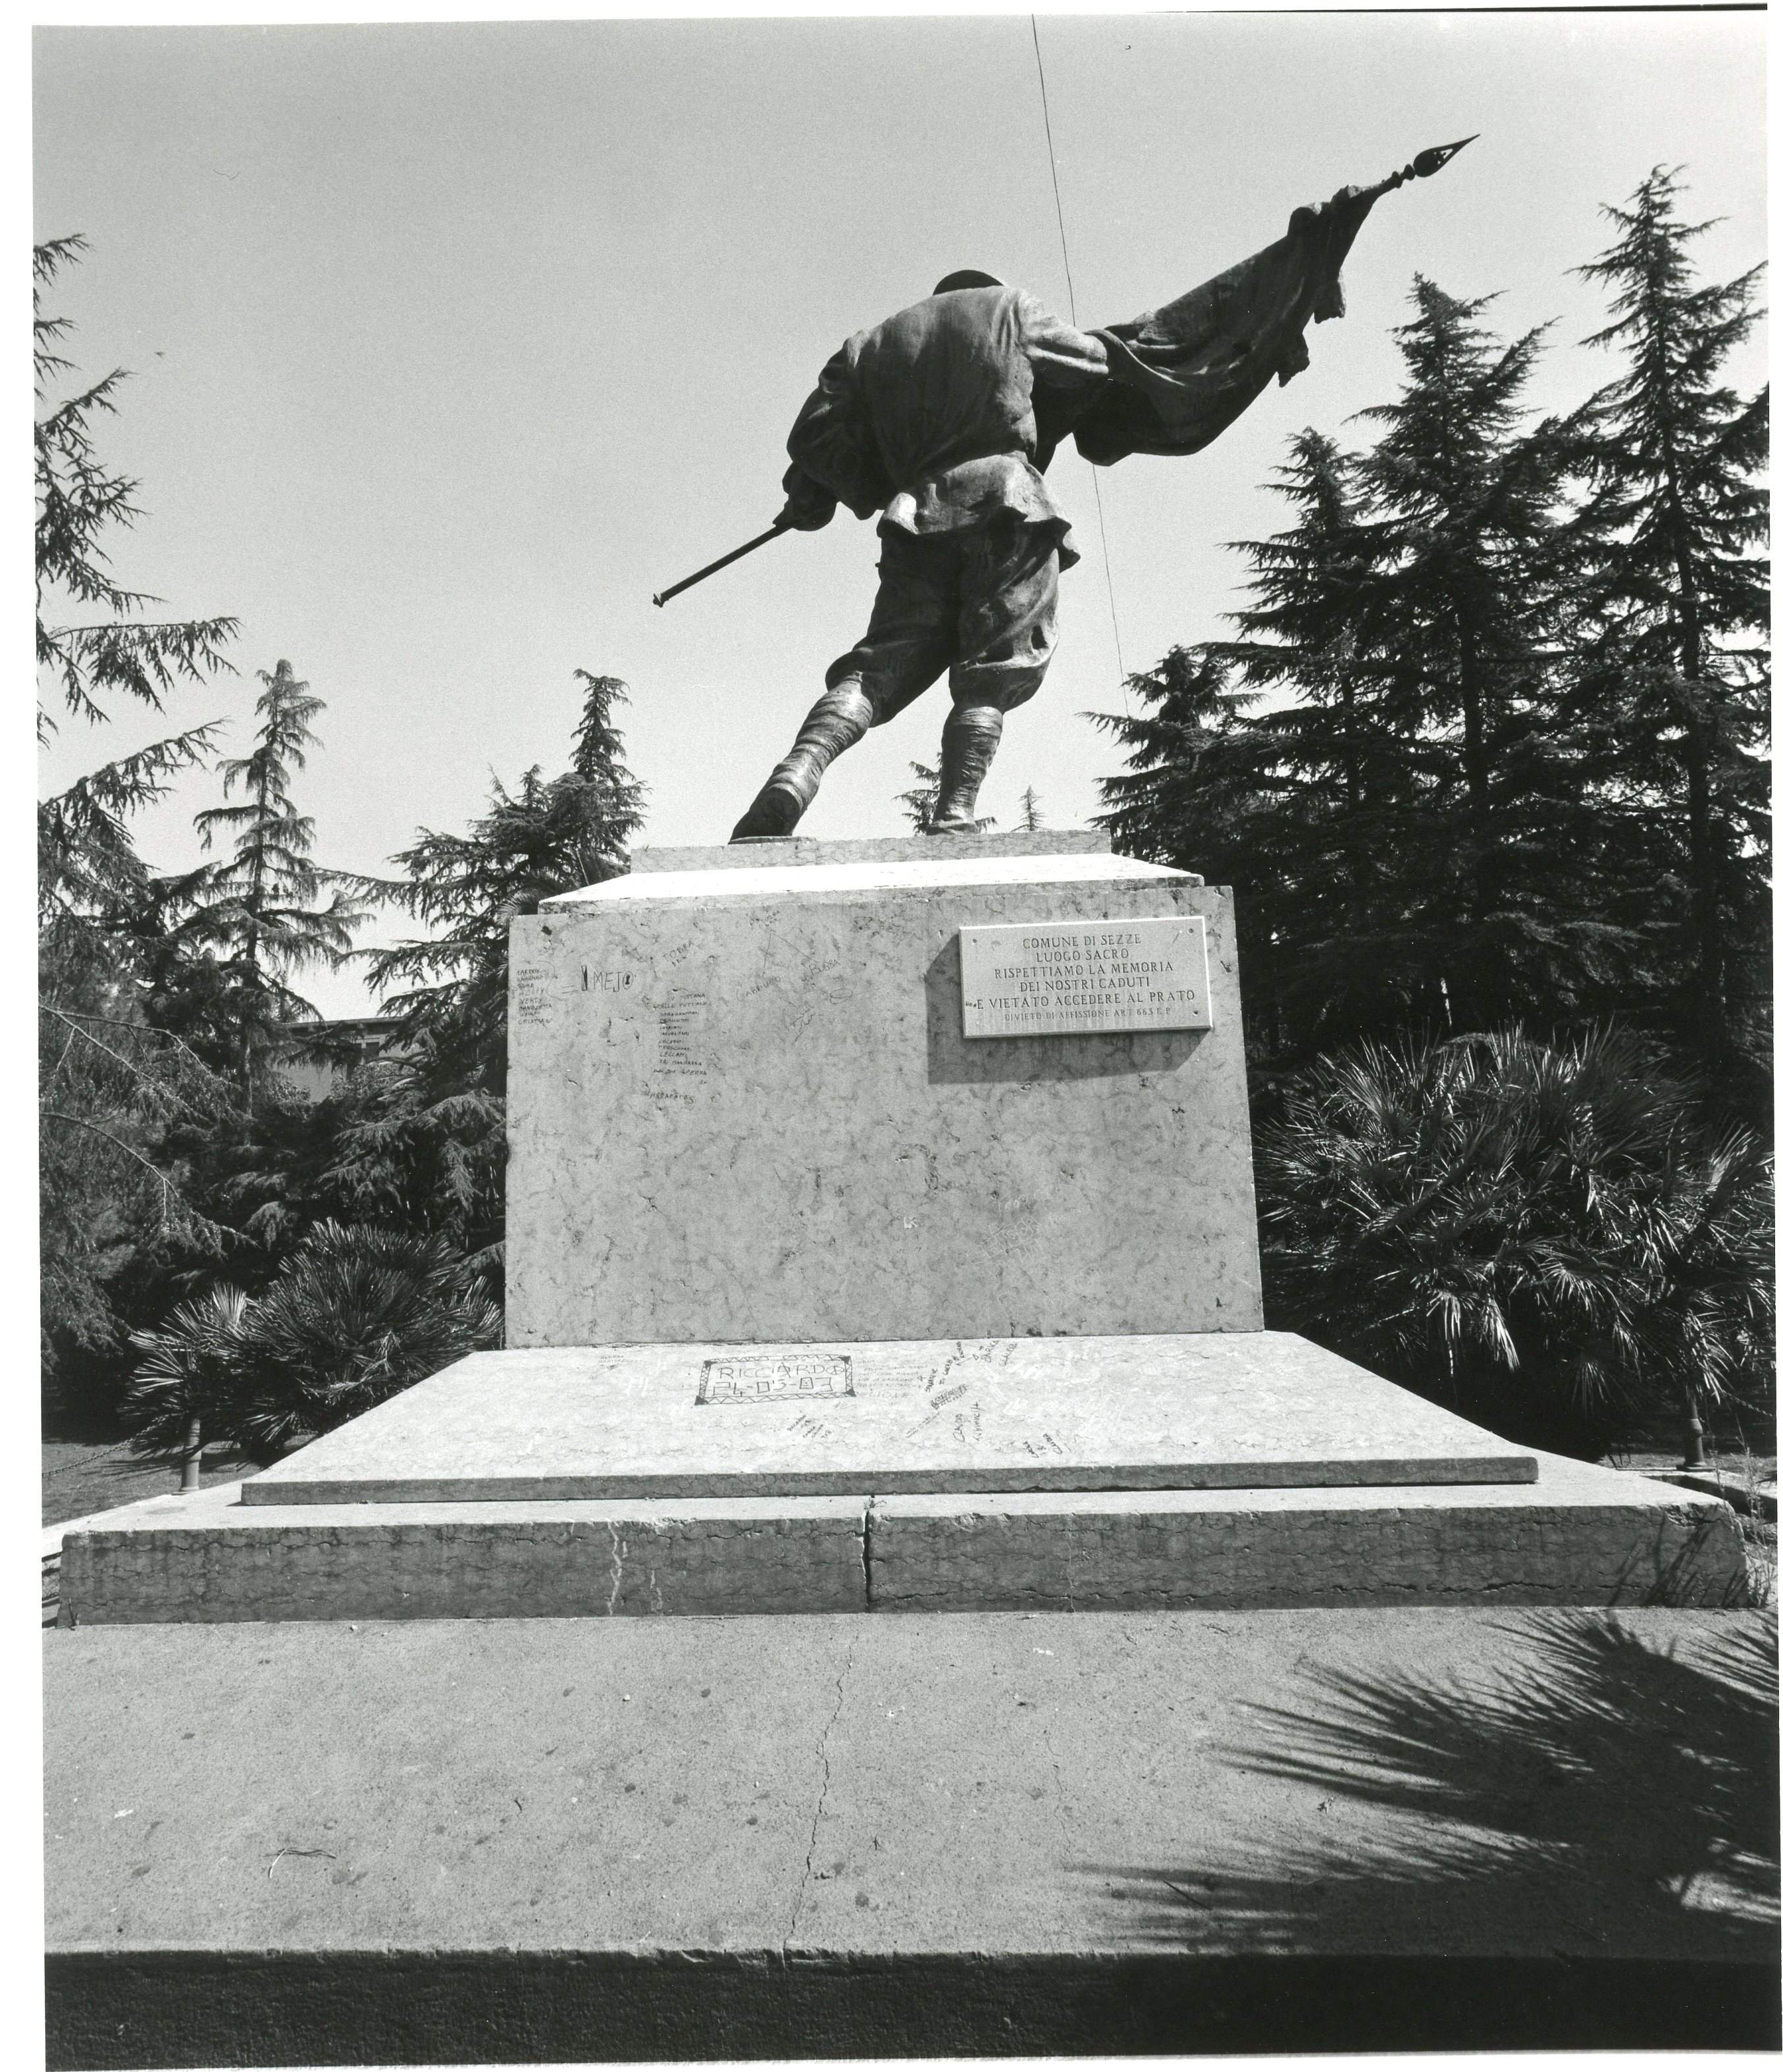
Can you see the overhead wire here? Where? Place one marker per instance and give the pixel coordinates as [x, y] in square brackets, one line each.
[1070, 292]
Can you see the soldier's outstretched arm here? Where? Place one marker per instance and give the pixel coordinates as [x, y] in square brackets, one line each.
[1062, 357]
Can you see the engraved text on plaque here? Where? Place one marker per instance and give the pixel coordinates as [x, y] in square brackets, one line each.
[1082, 978]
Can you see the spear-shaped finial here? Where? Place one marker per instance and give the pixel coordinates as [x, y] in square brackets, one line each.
[1438, 156]
[1420, 168]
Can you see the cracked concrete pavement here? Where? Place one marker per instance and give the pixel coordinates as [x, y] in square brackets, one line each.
[822, 1797]
[998, 1783]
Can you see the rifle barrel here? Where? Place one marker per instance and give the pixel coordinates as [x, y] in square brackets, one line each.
[723, 561]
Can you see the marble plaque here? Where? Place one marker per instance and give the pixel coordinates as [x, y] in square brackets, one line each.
[762, 1377]
[1085, 978]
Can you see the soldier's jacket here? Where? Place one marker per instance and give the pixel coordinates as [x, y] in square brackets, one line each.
[929, 416]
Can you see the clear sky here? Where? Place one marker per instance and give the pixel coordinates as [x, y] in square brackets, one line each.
[454, 342]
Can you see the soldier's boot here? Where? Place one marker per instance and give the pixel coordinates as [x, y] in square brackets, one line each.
[837, 720]
[968, 741]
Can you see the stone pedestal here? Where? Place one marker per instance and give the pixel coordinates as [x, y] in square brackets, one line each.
[880, 1237]
[743, 1106]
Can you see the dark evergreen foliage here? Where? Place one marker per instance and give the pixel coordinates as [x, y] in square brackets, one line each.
[1406, 832]
[240, 929]
[174, 1041]
[1302, 808]
[109, 1085]
[116, 1190]
[1487, 749]
[1670, 604]
[183, 1177]
[80, 500]
[920, 801]
[171, 1145]
[1495, 856]
[548, 835]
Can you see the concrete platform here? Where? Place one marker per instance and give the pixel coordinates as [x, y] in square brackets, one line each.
[1219, 1410]
[1581, 1536]
[583, 1840]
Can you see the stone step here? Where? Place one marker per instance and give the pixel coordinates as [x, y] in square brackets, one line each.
[1579, 1536]
[1208, 1410]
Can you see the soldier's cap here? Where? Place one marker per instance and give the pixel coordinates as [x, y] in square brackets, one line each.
[968, 277]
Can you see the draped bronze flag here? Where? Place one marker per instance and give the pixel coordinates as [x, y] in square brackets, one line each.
[1182, 373]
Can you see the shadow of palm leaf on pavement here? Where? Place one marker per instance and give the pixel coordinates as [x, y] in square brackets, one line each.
[1585, 1789]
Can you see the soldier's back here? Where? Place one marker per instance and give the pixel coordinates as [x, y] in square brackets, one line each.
[947, 380]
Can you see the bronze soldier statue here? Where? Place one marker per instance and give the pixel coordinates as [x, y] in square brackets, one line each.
[943, 419]
[929, 418]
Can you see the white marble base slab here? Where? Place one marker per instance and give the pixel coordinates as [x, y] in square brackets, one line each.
[1218, 1410]
[796, 852]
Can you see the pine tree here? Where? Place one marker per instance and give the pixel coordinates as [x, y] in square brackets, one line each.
[110, 1087]
[167, 1144]
[1183, 799]
[88, 869]
[79, 500]
[261, 908]
[1032, 821]
[1336, 775]
[919, 802]
[424, 1146]
[116, 1189]
[1672, 609]
[1499, 885]
[548, 835]
[1208, 790]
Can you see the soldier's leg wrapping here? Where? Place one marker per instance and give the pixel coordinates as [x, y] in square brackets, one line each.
[837, 721]
[908, 642]
[1008, 618]
[969, 736]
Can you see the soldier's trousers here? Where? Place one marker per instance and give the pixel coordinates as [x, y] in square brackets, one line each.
[981, 605]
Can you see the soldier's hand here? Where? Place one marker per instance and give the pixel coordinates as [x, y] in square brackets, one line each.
[807, 514]
[809, 506]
